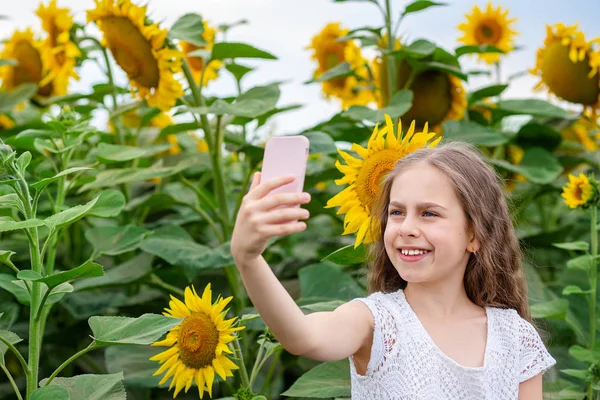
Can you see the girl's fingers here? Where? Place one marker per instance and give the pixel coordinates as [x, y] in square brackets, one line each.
[255, 180]
[285, 229]
[284, 200]
[265, 187]
[283, 215]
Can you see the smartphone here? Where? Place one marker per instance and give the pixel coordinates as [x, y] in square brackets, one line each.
[286, 155]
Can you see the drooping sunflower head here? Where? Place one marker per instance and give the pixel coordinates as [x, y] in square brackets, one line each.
[198, 347]
[489, 27]
[59, 53]
[197, 63]
[25, 50]
[568, 66]
[364, 174]
[579, 191]
[328, 52]
[437, 95]
[140, 48]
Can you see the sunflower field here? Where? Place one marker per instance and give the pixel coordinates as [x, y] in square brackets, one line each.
[117, 203]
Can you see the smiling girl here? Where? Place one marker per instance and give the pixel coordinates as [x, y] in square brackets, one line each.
[447, 316]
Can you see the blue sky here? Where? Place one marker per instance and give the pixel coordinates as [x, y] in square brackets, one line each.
[285, 27]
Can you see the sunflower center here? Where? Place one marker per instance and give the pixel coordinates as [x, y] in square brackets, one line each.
[198, 340]
[30, 64]
[432, 96]
[131, 50]
[566, 79]
[488, 32]
[578, 192]
[374, 169]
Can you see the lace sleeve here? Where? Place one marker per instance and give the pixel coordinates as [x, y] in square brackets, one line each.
[534, 358]
[383, 333]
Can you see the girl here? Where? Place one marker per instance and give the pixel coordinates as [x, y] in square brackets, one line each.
[447, 317]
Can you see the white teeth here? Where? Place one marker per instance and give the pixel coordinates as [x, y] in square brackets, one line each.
[413, 252]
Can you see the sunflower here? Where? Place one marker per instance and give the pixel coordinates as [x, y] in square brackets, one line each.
[197, 63]
[578, 192]
[6, 122]
[132, 119]
[384, 149]
[59, 53]
[491, 27]
[437, 95]
[328, 52]
[585, 131]
[140, 48]
[25, 50]
[568, 66]
[199, 345]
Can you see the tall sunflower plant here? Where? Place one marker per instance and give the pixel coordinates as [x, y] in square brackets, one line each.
[35, 214]
[580, 287]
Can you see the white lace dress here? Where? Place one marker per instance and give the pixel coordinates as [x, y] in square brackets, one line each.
[406, 364]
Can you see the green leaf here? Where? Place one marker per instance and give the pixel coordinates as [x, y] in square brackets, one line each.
[5, 256]
[534, 134]
[7, 225]
[174, 245]
[420, 48]
[485, 92]
[134, 362]
[583, 263]
[328, 282]
[338, 71]
[110, 204]
[320, 143]
[441, 66]
[238, 70]
[18, 289]
[92, 387]
[189, 28]
[109, 153]
[130, 271]
[550, 309]
[400, 103]
[251, 104]
[225, 50]
[538, 166]
[23, 161]
[69, 216]
[40, 185]
[11, 200]
[534, 107]
[347, 255]
[573, 289]
[577, 373]
[327, 380]
[419, 5]
[11, 338]
[51, 393]
[474, 49]
[10, 99]
[86, 270]
[471, 132]
[579, 246]
[582, 354]
[125, 175]
[145, 329]
[113, 240]
[321, 306]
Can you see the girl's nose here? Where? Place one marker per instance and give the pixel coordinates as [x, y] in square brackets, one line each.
[408, 228]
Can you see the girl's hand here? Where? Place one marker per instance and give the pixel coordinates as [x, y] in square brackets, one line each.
[259, 217]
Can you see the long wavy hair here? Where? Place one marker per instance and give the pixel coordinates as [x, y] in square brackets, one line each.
[494, 275]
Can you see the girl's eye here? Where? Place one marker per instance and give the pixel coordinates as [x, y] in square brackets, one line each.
[393, 212]
[430, 214]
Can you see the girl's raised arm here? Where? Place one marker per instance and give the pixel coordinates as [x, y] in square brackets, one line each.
[323, 336]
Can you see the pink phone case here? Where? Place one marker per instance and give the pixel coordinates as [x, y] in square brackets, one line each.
[286, 155]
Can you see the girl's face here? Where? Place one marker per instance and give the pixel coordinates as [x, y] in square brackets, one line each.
[426, 236]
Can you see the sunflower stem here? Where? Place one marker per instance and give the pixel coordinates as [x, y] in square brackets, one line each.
[240, 356]
[498, 73]
[257, 362]
[92, 346]
[593, 285]
[390, 45]
[12, 381]
[156, 281]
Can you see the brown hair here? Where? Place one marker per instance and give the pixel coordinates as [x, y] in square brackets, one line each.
[493, 276]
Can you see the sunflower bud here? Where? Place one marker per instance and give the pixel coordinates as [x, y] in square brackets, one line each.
[581, 191]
